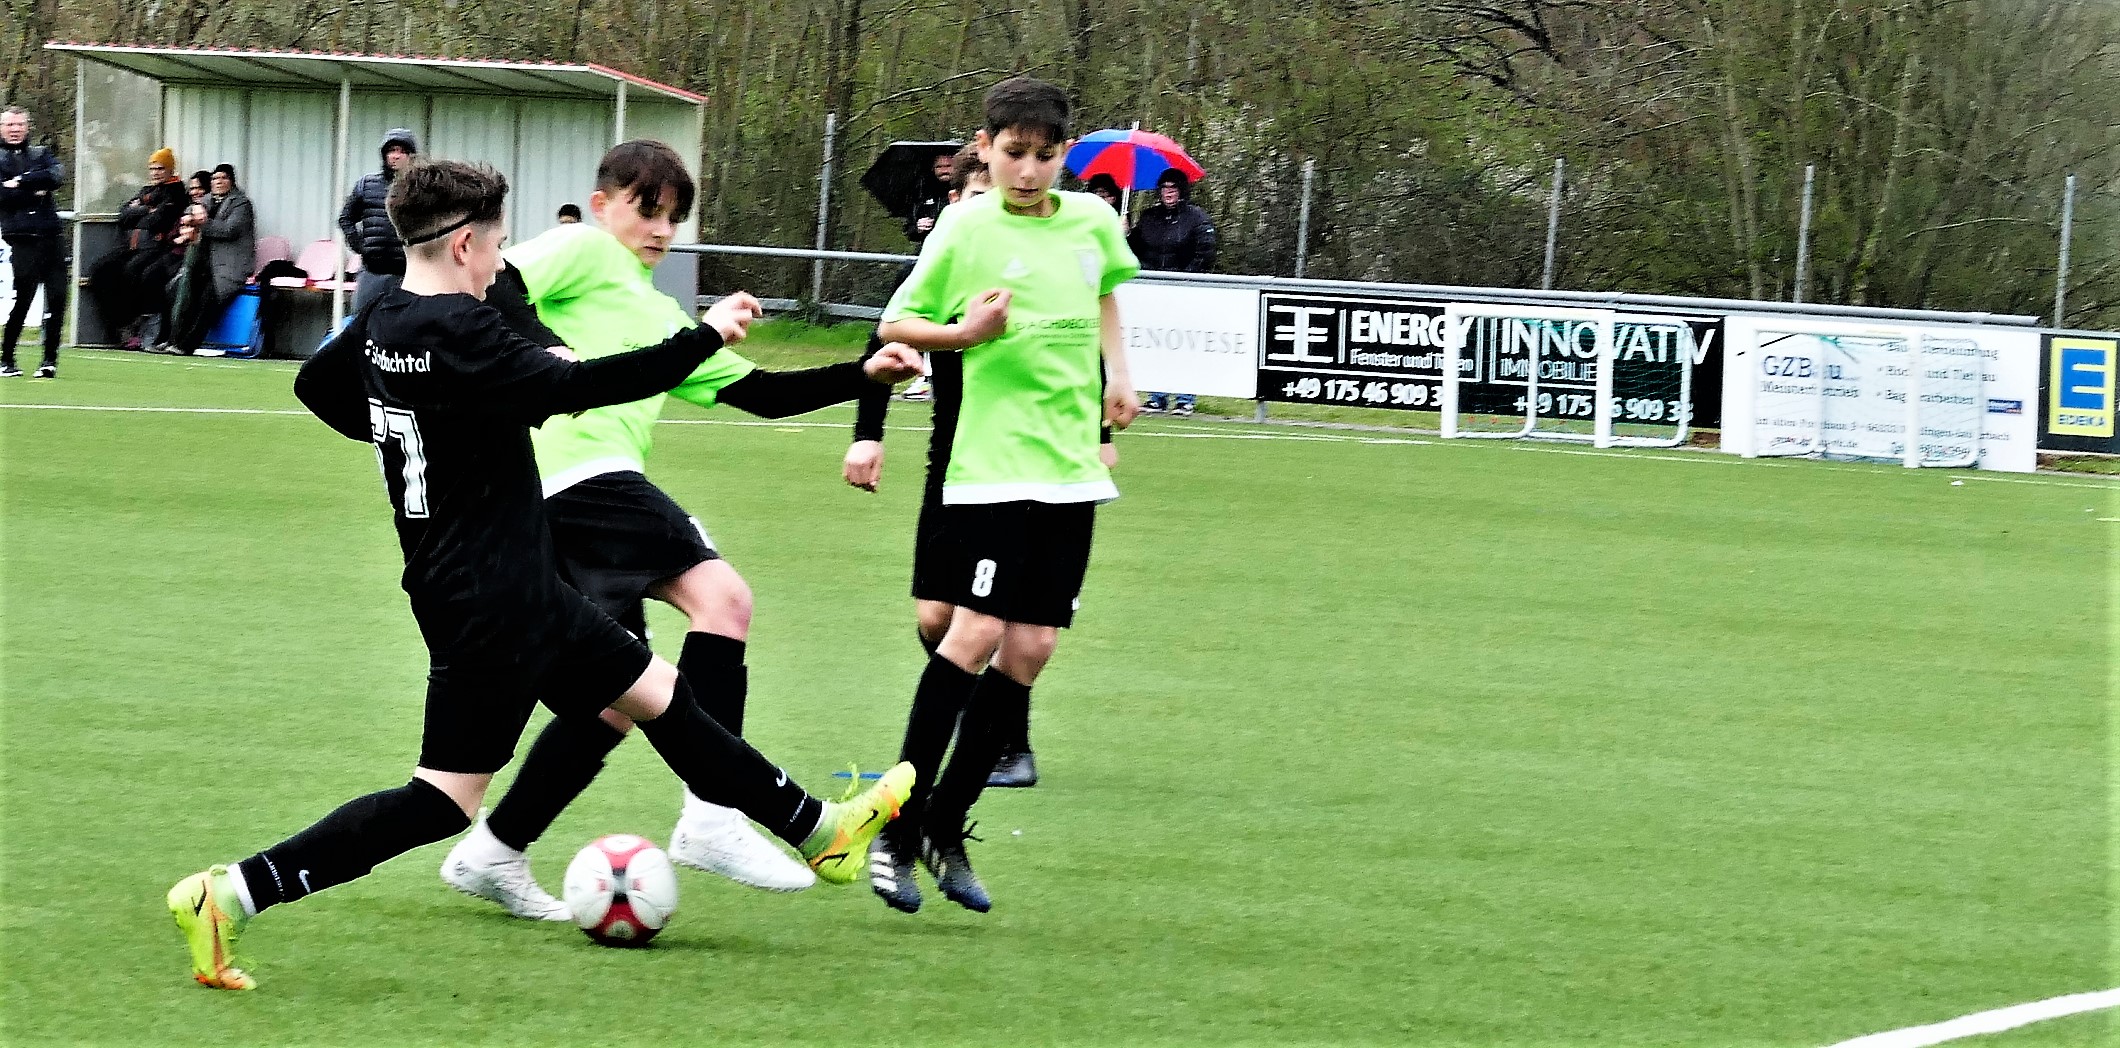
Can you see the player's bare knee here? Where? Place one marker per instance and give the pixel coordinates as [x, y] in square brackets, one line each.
[619, 722]
[972, 639]
[466, 789]
[713, 596]
[934, 618]
[1025, 650]
[650, 695]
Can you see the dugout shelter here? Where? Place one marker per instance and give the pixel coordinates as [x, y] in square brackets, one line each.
[300, 127]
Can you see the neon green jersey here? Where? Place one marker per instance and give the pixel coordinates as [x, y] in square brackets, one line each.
[598, 298]
[1032, 404]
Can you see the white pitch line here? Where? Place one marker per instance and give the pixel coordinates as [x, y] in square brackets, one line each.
[1354, 437]
[164, 411]
[1995, 1021]
[774, 424]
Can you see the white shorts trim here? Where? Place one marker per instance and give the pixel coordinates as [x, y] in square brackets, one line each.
[567, 478]
[1099, 491]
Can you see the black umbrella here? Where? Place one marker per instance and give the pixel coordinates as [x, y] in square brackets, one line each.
[898, 176]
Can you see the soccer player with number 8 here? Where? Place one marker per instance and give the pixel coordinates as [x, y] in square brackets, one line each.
[1030, 272]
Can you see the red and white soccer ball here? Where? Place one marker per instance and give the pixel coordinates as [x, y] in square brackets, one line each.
[621, 890]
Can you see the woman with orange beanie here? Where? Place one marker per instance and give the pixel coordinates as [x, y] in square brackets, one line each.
[129, 283]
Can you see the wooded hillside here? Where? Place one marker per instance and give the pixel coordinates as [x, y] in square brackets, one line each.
[1941, 129]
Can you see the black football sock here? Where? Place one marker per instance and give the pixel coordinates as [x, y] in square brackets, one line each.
[722, 769]
[937, 703]
[563, 761]
[1012, 719]
[978, 747]
[351, 841]
[713, 665]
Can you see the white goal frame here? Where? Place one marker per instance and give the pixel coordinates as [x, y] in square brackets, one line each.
[1458, 314]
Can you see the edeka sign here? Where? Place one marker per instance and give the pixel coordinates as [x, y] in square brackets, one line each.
[1182, 338]
[2079, 386]
[1388, 353]
[2079, 392]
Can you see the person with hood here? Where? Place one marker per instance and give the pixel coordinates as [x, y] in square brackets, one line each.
[1174, 235]
[1106, 188]
[366, 223]
[934, 195]
[130, 284]
[29, 220]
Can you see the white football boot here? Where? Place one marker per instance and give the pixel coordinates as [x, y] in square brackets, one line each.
[480, 865]
[721, 840]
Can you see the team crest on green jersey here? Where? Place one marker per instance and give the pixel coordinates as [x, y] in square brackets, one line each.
[1092, 263]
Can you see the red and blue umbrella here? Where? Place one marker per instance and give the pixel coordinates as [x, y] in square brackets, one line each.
[1134, 159]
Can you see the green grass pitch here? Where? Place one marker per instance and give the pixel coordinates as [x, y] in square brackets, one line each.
[1358, 739]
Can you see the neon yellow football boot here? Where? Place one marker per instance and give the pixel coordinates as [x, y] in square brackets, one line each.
[839, 846]
[211, 916]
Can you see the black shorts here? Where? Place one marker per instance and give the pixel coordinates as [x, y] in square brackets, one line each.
[1018, 561]
[616, 535]
[572, 658]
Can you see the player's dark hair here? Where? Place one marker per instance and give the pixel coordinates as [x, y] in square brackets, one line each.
[432, 198]
[965, 166]
[1028, 105]
[570, 211]
[646, 167]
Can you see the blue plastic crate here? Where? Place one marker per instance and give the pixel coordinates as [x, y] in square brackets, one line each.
[238, 323]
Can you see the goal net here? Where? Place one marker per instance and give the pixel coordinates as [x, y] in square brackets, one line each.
[1594, 375]
[1895, 396]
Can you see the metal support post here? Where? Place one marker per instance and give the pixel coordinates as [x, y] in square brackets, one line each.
[1803, 234]
[1310, 168]
[2068, 222]
[824, 207]
[1553, 222]
[338, 177]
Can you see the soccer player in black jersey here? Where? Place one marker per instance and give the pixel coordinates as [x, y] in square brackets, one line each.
[433, 377]
[619, 537]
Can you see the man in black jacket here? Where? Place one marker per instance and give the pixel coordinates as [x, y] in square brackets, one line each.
[366, 223]
[1173, 235]
[29, 219]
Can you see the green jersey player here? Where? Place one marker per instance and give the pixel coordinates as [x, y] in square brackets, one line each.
[1018, 281]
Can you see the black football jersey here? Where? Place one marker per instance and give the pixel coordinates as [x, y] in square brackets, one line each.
[447, 392]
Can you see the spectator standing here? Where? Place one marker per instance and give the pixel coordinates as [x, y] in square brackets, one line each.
[129, 284]
[1106, 188]
[366, 223]
[935, 194]
[29, 220]
[1174, 235]
[569, 214]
